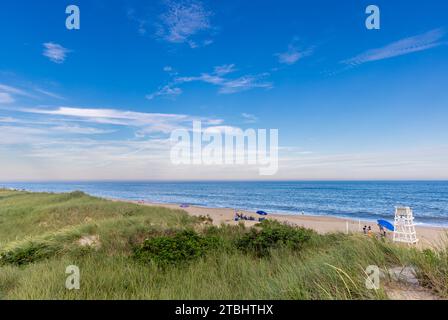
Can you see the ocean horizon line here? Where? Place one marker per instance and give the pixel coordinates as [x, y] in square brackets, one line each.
[217, 181]
[349, 199]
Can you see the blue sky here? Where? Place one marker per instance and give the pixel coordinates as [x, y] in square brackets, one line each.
[100, 102]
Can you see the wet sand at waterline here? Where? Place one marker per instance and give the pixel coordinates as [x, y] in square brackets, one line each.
[428, 236]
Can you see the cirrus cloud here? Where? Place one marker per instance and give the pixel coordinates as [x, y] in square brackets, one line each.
[421, 42]
[182, 20]
[6, 98]
[294, 53]
[55, 52]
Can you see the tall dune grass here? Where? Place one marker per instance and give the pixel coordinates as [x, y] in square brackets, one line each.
[325, 267]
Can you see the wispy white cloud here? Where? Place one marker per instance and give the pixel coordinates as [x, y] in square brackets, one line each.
[205, 77]
[48, 126]
[6, 119]
[54, 142]
[421, 42]
[165, 91]
[224, 69]
[35, 129]
[55, 52]
[15, 91]
[245, 83]
[220, 77]
[142, 23]
[294, 53]
[6, 98]
[49, 93]
[249, 118]
[182, 20]
[14, 134]
[76, 129]
[227, 85]
[8, 93]
[146, 122]
[29, 92]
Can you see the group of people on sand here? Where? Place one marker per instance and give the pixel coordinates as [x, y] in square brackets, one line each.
[368, 231]
[241, 216]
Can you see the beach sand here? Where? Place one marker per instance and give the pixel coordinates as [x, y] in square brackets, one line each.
[428, 236]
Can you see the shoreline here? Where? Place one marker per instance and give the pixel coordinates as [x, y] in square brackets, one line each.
[287, 214]
[347, 216]
[429, 236]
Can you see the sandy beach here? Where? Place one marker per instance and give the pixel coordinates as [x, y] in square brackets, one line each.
[428, 236]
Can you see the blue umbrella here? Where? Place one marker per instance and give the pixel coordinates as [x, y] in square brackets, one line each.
[386, 224]
[262, 213]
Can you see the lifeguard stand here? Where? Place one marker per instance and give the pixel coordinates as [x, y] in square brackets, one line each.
[404, 226]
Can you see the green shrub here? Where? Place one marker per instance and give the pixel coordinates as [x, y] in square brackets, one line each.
[178, 248]
[77, 194]
[33, 252]
[273, 234]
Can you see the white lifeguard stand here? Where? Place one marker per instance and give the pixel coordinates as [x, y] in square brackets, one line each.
[404, 226]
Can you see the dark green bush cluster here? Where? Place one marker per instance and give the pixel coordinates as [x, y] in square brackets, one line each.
[177, 247]
[180, 247]
[25, 255]
[77, 194]
[271, 235]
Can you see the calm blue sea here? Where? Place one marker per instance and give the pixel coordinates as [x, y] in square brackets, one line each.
[365, 200]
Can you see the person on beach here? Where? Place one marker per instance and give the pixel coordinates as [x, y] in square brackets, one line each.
[381, 230]
[365, 230]
[369, 231]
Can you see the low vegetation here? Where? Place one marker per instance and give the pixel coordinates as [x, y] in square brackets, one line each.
[272, 235]
[179, 248]
[129, 251]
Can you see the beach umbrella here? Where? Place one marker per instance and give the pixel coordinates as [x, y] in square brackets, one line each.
[386, 224]
[262, 213]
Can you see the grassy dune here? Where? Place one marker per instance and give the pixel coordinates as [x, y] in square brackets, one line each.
[40, 236]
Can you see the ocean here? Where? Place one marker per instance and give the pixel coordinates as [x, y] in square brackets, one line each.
[369, 200]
